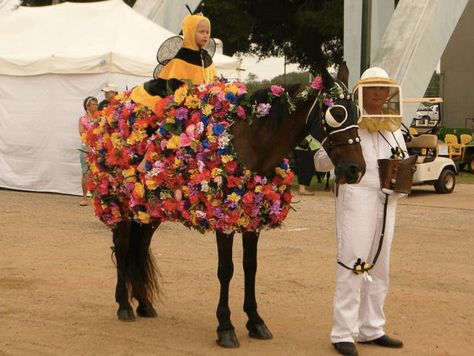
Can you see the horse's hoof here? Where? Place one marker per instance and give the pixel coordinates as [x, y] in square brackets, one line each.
[227, 339]
[146, 311]
[126, 314]
[259, 331]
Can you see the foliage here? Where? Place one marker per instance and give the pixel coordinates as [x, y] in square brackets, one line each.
[254, 84]
[433, 86]
[307, 32]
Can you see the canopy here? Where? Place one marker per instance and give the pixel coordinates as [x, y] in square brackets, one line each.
[100, 37]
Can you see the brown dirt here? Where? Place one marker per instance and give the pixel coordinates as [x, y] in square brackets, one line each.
[57, 282]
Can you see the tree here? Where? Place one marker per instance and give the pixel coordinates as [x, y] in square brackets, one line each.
[307, 32]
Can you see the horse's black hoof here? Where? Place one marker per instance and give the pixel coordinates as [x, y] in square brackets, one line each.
[259, 331]
[146, 311]
[126, 314]
[227, 339]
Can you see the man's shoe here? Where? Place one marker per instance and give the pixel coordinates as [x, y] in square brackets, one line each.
[385, 341]
[346, 348]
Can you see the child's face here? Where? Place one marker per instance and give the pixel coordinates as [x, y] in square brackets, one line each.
[202, 34]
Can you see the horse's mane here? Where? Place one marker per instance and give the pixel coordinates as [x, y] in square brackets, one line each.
[279, 109]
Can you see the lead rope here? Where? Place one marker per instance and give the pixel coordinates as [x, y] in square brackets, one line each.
[360, 266]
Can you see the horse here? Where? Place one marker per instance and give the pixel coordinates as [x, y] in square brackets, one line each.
[260, 145]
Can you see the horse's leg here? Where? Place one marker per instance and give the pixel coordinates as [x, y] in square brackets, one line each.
[121, 239]
[144, 283]
[326, 187]
[225, 331]
[255, 325]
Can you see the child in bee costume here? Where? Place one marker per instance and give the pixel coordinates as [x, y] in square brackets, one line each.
[192, 63]
[365, 219]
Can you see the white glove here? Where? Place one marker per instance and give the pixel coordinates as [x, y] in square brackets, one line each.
[394, 194]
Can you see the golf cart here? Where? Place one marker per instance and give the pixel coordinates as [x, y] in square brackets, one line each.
[431, 168]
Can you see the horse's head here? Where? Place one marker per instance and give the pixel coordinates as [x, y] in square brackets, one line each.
[335, 125]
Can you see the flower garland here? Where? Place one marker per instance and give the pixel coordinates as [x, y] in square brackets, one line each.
[192, 174]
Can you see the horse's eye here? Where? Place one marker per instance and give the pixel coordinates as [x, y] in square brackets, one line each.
[336, 115]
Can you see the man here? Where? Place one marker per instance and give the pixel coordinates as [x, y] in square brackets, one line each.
[362, 270]
[110, 90]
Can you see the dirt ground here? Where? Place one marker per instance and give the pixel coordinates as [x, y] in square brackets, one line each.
[57, 282]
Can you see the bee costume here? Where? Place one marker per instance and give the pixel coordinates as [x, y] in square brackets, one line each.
[191, 63]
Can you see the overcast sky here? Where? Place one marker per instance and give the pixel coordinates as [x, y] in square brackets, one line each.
[266, 68]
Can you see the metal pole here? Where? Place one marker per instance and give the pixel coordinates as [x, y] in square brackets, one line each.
[365, 35]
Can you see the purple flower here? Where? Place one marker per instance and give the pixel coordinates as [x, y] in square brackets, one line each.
[328, 102]
[263, 109]
[181, 113]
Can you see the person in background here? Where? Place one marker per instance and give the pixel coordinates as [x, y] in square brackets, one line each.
[365, 219]
[110, 90]
[305, 170]
[90, 105]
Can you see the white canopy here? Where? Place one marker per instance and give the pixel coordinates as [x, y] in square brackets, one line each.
[100, 37]
[51, 58]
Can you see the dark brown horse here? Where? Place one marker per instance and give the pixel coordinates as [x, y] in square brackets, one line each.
[260, 146]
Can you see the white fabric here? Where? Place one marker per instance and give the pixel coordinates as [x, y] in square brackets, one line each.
[39, 134]
[99, 37]
[358, 303]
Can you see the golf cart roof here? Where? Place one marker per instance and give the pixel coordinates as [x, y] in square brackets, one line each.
[423, 100]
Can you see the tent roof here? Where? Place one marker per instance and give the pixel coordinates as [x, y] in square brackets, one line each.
[78, 38]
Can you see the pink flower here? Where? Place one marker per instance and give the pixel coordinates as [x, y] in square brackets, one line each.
[184, 140]
[277, 90]
[317, 83]
[328, 102]
[263, 109]
[241, 112]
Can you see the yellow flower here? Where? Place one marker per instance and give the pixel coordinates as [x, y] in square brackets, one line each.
[258, 189]
[177, 162]
[233, 89]
[117, 140]
[212, 138]
[234, 197]
[180, 94]
[216, 202]
[281, 172]
[207, 109]
[136, 136]
[173, 142]
[144, 217]
[170, 120]
[282, 188]
[192, 101]
[216, 172]
[226, 158]
[119, 97]
[247, 173]
[151, 184]
[139, 190]
[243, 221]
[130, 175]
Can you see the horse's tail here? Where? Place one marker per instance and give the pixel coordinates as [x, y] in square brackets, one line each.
[142, 269]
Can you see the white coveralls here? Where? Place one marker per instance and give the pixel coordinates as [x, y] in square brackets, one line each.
[358, 303]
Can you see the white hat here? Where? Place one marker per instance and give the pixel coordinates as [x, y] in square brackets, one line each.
[110, 87]
[374, 72]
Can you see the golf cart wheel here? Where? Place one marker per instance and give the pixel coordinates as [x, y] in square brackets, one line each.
[470, 163]
[446, 182]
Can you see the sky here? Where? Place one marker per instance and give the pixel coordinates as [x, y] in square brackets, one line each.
[266, 68]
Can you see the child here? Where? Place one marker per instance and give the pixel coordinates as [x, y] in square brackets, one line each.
[191, 63]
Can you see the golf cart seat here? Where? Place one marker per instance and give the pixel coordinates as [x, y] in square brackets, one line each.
[465, 138]
[454, 147]
[424, 146]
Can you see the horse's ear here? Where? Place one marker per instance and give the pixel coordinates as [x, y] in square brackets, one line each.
[343, 73]
[327, 78]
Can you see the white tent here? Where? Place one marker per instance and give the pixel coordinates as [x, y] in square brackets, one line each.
[51, 58]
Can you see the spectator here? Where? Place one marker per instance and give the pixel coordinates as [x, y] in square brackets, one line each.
[110, 90]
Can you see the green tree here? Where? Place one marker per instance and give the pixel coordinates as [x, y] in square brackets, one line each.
[433, 86]
[307, 32]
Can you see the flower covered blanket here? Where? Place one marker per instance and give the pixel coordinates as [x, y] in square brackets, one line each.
[192, 174]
